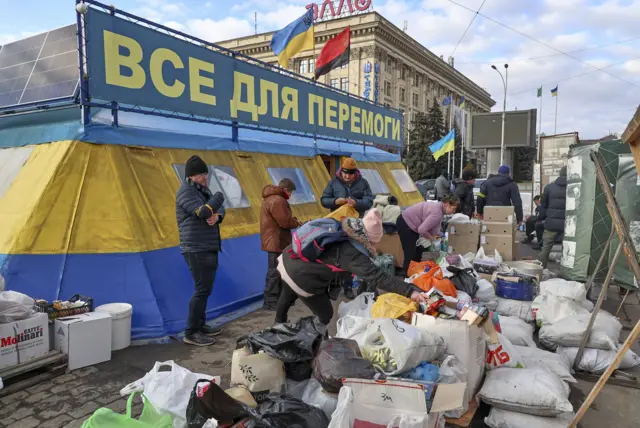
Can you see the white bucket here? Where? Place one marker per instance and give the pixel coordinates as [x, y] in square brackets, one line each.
[120, 323]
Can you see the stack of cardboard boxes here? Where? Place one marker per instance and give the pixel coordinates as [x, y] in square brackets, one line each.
[499, 232]
[463, 238]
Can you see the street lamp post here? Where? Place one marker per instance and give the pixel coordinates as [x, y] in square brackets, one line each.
[505, 80]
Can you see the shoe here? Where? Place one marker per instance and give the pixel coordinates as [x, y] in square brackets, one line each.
[210, 331]
[349, 294]
[198, 339]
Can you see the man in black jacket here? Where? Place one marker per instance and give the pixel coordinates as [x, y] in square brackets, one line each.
[199, 214]
[500, 190]
[464, 191]
[530, 224]
[552, 213]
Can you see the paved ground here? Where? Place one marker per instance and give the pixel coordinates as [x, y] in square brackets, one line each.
[68, 400]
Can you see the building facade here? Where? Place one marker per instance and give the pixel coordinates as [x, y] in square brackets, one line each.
[385, 65]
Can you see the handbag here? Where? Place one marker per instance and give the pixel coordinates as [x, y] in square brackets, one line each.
[150, 418]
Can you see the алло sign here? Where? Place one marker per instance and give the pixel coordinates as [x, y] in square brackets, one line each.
[135, 65]
[352, 6]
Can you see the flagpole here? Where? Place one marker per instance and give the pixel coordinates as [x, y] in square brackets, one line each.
[540, 125]
[462, 136]
[451, 162]
[555, 126]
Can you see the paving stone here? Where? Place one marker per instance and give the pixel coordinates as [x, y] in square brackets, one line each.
[20, 395]
[56, 410]
[8, 409]
[84, 410]
[108, 399]
[67, 386]
[86, 397]
[34, 398]
[85, 371]
[52, 400]
[29, 422]
[56, 422]
[68, 377]
[82, 389]
[4, 422]
[118, 406]
[75, 424]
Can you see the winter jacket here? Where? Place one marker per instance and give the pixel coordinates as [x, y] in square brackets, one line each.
[388, 208]
[443, 187]
[464, 191]
[359, 190]
[552, 208]
[194, 205]
[276, 220]
[500, 191]
[424, 218]
[314, 278]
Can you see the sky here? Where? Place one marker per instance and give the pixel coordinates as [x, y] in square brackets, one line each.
[590, 49]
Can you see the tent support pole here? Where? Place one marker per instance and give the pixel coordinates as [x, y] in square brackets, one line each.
[592, 278]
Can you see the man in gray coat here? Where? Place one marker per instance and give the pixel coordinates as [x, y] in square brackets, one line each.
[443, 186]
[199, 214]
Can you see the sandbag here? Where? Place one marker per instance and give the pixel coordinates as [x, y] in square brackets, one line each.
[559, 287]
[515, 308]
[338, 359]
[354, 328]
[568, 332]
[599, 360]
[15, 306]
[539, 358]
[261, 373]
[358, 307]
[533, 391]
[549, 309]
[316, 396]
[519, 332]
[503, 354]
[395, 347]
[499, 418]
[391, 305]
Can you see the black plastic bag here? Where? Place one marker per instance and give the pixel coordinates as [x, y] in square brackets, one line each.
[208, 401]
[338, 359]
[284, 411]
[295, 345]
[464, 280]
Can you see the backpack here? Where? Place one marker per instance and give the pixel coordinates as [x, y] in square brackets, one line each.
[310, 240]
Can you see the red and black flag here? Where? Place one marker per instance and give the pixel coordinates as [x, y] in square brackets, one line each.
[334, 54]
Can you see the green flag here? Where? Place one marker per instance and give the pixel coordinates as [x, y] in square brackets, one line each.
[539, 91]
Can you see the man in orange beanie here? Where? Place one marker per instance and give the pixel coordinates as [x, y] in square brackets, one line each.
[348, 187]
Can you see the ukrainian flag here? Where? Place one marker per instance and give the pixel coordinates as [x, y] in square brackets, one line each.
[293, 38]
[445, 145]
[462, 103]
[554, 92]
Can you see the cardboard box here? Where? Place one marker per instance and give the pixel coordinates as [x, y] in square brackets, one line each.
[466, 342]
[505, 244]
[495, 228]
[390, 244]
[24, 340]
[464, 229]
[463, 238]
[86, 338]
[499, 215]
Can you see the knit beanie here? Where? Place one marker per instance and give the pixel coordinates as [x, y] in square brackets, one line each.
[349, 164]
[194, 166]
[468, 174]
[373, 225]
[504, 169]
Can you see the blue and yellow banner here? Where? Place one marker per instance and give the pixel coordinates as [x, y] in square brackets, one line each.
[445, 145]
[135, 65]
[295, 37]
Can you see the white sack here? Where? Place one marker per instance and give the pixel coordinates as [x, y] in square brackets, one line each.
[568, 332]
[358, 307]
[539, 358]
[353, 328]
[505, 419]
[558, 287]
[486, 291]
[168, 391]
[549, 309]
[15, 306]
[533, 391]
[588, 305]
[316, 396]
[598, 360]
[519, 332]
[515, 308]
[408, 346]
[503, 354]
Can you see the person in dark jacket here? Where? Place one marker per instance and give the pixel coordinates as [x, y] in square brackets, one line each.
[464, 192]
[348, 187]
[552, 214]
[500, 190]
[310, 281]
[531, 224]
[276, 223]
[199, 214]
[443, 186]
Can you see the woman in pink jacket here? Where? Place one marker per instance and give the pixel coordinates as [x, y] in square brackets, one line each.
[422, 220]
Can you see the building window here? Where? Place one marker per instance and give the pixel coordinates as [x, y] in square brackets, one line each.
[344, 84]
[222, 179]
[303, 66]
[387, 88]
[403, 73]
[402, 95]
[413, 117]
[403, 180]
[415, 100]
[312, 65]
[375, 181]
[303, 192]
[334, 83]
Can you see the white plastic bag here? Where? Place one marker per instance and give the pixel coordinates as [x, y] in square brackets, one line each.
[559, 287]
[168, 391]
[532, 391]
[353, 328]
[588, 305]
[453, 371]
[539, 358]
[15, 306]
[499, 418]
[486, 291]
[549, 309]
[459, 218]
[358, 307]
[598, 360]
[515, 308]
[211, 423]
[316, 396]
[503, 354]
[568, 332]
[519, 332]
[407, 346]
[260, 373]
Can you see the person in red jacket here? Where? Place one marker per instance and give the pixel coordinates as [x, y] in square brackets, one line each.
[276, 223]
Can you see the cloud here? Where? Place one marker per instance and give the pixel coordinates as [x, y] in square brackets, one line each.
[215, 31]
